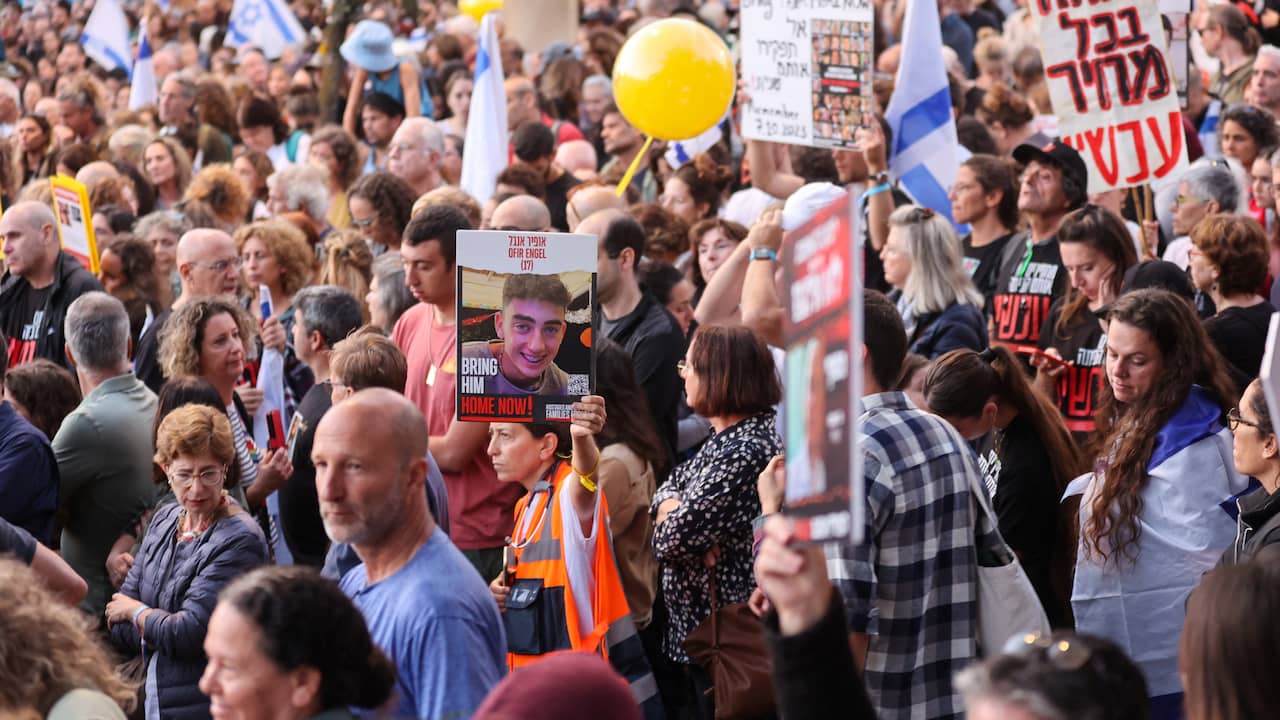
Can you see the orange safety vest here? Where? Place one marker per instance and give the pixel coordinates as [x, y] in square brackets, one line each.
[541, 616]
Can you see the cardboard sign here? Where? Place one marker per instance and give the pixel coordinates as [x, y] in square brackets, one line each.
[75, 220]
[1113, 89]
[808, 70]
[525, 309]
[822, 271]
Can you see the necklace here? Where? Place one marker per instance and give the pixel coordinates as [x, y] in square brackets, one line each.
[193, 533]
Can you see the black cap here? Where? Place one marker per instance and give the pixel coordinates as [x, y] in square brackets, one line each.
[1060, 155]
[1156, 274]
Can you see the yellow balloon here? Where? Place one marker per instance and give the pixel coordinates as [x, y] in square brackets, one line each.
[479, 8]
[673, 79]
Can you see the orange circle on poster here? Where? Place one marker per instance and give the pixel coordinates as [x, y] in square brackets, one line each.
[586, 338]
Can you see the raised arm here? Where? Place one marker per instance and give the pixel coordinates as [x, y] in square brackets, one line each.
[349, 114]
[767, 173]
[588, 419]
[761, 306]
[462, 441]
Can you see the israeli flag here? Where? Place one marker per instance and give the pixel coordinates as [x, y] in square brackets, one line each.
[142, 83]
[925, 153]
[268, 25]
[106, 36]
[486, 154]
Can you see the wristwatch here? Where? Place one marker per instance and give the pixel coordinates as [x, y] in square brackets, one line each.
[763, 253]
[880, 178]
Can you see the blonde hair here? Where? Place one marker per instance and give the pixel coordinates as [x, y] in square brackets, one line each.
[183, 334]
[348, 263]
[938, 279]
[223, 190]
[450, 195]
[48, 648]
[288, 245]
[194, 429]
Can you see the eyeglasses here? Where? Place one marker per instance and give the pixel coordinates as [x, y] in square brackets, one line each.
[1062, 653]
[1184, 199]
[222, 265]
[366, 222]
[682, 367]
[1234, 420]
[210, 478]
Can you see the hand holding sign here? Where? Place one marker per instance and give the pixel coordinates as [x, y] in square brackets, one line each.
[588, 416]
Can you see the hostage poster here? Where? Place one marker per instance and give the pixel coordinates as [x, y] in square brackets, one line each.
[525, 314]
[822, 271]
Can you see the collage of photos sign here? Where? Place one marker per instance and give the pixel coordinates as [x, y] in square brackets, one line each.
[525, 309]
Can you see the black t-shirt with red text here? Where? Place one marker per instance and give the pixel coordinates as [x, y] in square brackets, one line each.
[1025, 290]
[24, 323]
[1083, 344]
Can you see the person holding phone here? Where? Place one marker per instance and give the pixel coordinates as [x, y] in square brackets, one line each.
[1096, 250]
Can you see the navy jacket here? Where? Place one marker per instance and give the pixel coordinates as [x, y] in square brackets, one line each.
[184, 594]
[959, 326]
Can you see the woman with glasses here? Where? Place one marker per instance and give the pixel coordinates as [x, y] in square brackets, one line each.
[711, 242]
[1256, 453]
[1228, 262]
[1151, 519]
[703, 513]
[381, 205]
[193, 549]
[1096, 250]
[940, 307]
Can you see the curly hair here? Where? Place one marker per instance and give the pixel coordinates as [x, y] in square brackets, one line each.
[287, 246]
[183, 334]
[48, 647]
[215, 105]
[391, 198]
[1126, 432]
[221, 188]
[707, 180]
[138, 260]
[287, 604]
[348, 263]
[1002, 105]
[666, 236]
[344, 151]
[1259, 123]
[1237, 245]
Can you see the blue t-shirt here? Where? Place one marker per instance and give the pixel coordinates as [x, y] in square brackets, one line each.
[437, 621]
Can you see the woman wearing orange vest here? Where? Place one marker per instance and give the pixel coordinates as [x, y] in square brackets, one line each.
[560, 589]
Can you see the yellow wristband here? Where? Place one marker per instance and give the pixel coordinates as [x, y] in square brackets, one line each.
[586, 478]
[586, 483]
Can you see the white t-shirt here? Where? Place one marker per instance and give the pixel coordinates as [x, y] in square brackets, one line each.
[579, 556]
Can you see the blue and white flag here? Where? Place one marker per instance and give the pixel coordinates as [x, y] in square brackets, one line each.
[142, 83]
[925, 153]
[486, 154]
[106, 36]
[268, 25]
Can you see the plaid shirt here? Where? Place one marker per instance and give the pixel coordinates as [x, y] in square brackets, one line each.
[912, 586]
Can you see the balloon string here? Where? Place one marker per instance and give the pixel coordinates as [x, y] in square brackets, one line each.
[635, 165]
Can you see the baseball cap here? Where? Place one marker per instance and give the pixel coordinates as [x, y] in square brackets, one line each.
[1060, 155]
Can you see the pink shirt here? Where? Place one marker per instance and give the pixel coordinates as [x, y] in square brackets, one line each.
[481, 509]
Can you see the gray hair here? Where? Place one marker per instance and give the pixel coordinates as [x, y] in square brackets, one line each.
[330, 310]
[601, 81]
[1213, 182]
[428, 133]
[164, 220]
[938, 279]
[306, 188]
[393, 295]
[1269, 51]
[97, 330]
[975, 682]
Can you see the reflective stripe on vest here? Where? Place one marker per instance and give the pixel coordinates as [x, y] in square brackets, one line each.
[614, 634]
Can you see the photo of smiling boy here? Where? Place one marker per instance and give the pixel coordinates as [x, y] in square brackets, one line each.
[530, 328]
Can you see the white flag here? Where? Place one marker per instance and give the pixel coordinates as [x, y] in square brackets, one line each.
[484, 152]
[268, 25]
[106, 36]
[142, 83]
[925, 154]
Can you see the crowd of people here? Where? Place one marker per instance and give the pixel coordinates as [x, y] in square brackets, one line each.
[1089, 365]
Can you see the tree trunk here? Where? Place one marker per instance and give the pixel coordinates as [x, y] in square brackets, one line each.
[332, 93]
